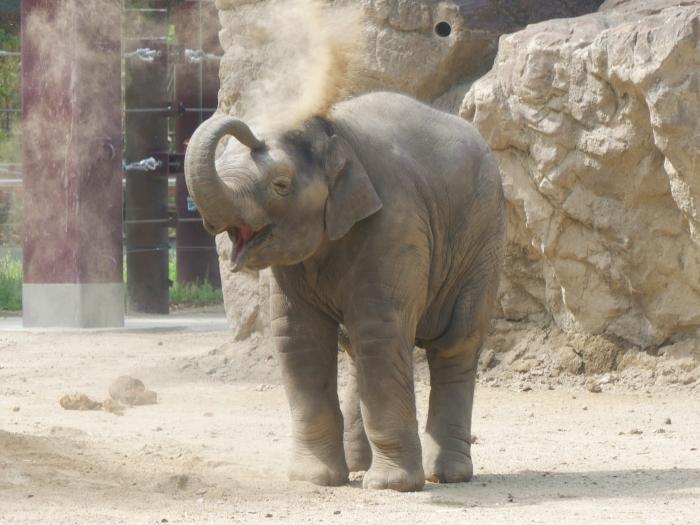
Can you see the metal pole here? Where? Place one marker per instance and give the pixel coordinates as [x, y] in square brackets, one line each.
[196, 86]
[146, 191]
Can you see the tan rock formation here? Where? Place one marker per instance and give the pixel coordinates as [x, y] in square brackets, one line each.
[279, 54]
[596, 125]
[594, 120]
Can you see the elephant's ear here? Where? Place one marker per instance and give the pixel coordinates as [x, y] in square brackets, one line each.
[351, 194]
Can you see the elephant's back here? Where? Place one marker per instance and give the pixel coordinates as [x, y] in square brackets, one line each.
[416, 154]
[453, 187]
[393, 133]
[395, 118]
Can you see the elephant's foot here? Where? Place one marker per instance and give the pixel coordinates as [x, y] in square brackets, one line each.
[384, 476]
[358, 453]
[358, 458]
[311, 469]
[444, 465]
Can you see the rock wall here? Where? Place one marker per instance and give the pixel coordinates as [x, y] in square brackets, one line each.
[434, 50]
[429, 49]
[596, 125]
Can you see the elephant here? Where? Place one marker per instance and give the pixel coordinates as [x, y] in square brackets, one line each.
[383, 219]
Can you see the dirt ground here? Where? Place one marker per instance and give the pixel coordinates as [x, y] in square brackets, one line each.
[214, 448]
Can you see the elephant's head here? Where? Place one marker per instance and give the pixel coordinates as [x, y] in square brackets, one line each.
[280, 199]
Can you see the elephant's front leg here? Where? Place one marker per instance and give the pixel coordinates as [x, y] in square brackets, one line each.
[358, 453]
[306, 340]
[384, 360]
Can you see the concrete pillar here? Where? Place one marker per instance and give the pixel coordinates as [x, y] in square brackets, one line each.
[71, 141]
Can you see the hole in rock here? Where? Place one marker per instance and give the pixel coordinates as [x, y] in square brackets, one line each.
[443, 29]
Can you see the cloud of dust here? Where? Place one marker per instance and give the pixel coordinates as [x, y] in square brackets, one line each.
[285, 61]
[72, 129]
[288, 60]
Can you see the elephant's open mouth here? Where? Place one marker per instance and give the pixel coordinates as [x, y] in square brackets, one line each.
[244, 238]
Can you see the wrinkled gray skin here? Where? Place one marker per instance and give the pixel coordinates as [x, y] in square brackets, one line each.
[386, 217]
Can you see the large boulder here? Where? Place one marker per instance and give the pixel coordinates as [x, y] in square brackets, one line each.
[595, 122]
[281, 64]
[435, 49]
[278, 52]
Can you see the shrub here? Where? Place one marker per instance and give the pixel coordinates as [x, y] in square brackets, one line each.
[10, 284]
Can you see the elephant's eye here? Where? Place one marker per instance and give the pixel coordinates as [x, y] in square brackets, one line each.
[282, 185]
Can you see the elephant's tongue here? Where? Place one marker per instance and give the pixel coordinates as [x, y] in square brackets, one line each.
[245, 233]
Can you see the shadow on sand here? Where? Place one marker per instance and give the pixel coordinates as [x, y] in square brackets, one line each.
[530, 487]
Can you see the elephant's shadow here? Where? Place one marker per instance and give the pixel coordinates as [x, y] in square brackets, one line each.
[530, 487]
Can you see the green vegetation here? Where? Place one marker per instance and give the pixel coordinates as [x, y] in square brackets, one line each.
[10, 202]
[10, 146]
[10, 71]
[10, 284]
[191, 294]
[195, 294]
[10, 96]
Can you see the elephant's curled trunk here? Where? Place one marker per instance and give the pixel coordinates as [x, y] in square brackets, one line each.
[214, 199]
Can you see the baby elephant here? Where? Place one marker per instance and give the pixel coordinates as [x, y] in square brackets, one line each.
[386, 217]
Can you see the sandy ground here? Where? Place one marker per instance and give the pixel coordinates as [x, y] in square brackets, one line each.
[214, 451]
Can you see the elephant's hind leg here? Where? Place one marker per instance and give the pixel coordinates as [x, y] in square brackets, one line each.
[358, 452]
[452, 362]
[447, 440]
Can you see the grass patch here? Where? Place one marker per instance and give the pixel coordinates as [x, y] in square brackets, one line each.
[10, 284]
[195, 294]
[10, 146]
[191, 294]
